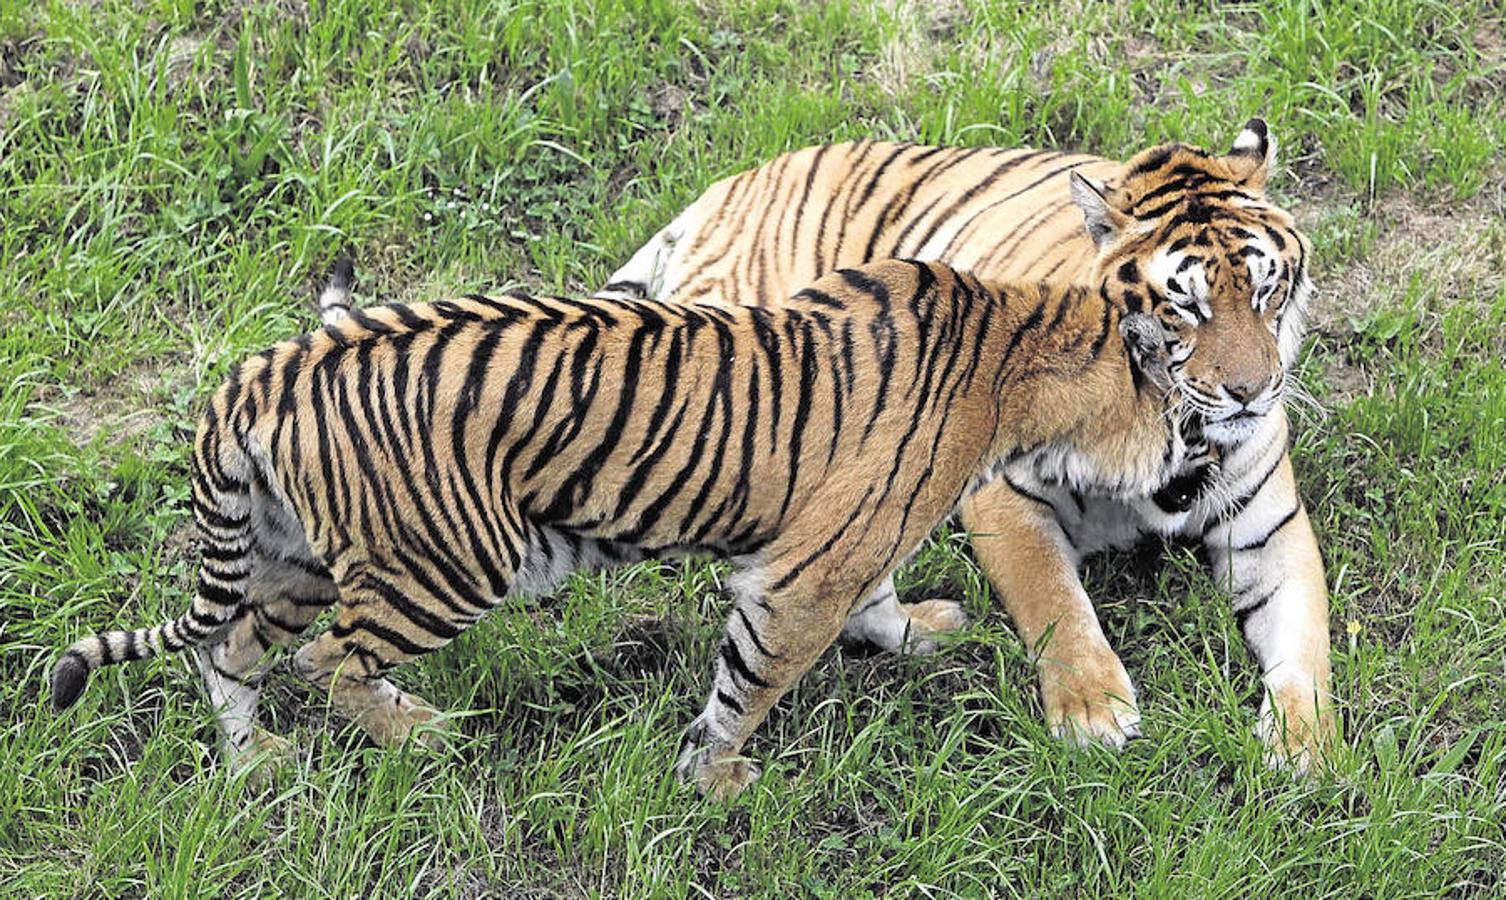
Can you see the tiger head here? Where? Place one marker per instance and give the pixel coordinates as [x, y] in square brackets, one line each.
[1189, 237]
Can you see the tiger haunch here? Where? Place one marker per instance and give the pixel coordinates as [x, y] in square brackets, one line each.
[415, 466]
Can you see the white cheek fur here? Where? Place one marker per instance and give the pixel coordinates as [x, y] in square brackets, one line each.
[1191, 291]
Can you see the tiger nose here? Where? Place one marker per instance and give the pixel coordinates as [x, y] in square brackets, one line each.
[1245, 391]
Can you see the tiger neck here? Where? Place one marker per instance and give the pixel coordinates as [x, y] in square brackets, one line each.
[1072, 401]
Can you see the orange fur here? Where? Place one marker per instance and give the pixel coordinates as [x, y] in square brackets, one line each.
[1020, 215]
[414, 466]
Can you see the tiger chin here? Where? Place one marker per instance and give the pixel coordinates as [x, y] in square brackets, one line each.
[414, 466]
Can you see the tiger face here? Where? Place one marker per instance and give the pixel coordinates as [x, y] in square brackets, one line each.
[1190, 237]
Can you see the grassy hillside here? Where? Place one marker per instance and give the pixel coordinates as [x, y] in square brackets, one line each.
[177, 176]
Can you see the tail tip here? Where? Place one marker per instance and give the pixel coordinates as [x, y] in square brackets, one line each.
[343, 274]
[68, 678]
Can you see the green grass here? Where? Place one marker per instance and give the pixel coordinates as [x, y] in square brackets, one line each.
[175, 178]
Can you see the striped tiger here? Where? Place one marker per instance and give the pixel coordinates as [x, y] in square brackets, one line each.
[415, 466]
[1186, 234]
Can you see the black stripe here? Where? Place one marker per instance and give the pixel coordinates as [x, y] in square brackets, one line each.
[262, 615]
[636, 288]
[1270, 532]
[1238, 505]
[1028, 495]
[984, 184]
[215, 519]
[411, 610]
[1103, 332]
[1157, 158]
[873, 601]
[721, 395]
[398, 640]
[803, 398]
[450, 570]
[915, 221]
[638, 479]
[579, 484]
[881, 330]
[821, 298]
[768, 341]
[228, 577]
[1031, 321]
[753, 635]
[1242, 614]
[826, 545]
[585, 364]
[800, 207]
[734, 659]
[465, 407]
[222, 553]
[217, 595]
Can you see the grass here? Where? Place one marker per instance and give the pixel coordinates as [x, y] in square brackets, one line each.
[176, 176]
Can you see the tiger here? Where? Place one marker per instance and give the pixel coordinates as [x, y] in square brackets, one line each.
[1176, 231]
[412, 467]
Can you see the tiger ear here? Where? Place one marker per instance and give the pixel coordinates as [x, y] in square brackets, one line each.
[1253, 155]
[1104, 222]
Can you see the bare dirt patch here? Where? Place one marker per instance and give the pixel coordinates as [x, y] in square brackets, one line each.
[183, 58]
[1459, 248]
[121, 409]
[1455, 251]
[12, 55]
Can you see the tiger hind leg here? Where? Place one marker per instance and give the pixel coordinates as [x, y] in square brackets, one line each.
[283, 597]
[773, 636]
[385, 618]
[902, 627]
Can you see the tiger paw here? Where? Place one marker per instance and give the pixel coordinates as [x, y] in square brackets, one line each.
[261, 758]
[1092, 701]
[720, 779]
[1297, 735]
[400, 717]
[931, 617]
[717, 772]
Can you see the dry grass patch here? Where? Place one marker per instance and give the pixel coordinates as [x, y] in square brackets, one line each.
[1446, 251]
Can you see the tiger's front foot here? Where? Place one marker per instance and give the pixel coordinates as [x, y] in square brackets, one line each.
[902, 627]
[1297, 733]
[408, 719]
[721, 779]
[390, 715]
[1089, 700]
[929, 618]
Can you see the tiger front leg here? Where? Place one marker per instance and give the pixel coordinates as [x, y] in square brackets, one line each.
[774, 635]
[1086, 693]
[1267, 556]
